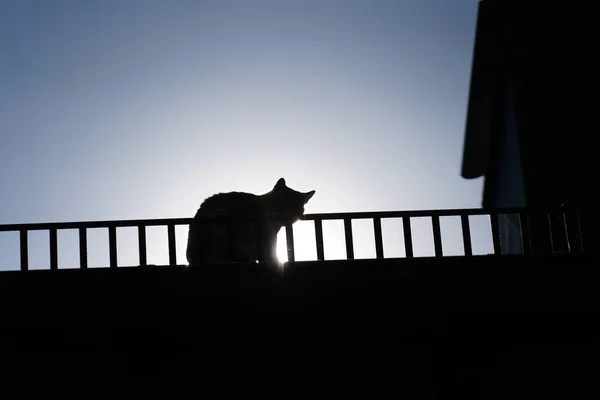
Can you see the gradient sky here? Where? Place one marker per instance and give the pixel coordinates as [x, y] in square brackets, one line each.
[140, 109]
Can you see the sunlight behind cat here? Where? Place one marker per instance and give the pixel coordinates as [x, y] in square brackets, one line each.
[304, 243]
[305, 248]
[281, 251]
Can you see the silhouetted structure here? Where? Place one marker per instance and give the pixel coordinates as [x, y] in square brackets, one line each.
[532, 117]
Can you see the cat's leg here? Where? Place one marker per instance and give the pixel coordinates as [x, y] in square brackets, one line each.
[268, 250]
[201, 247]
[196, 251]
[192, 245]
[273, 259]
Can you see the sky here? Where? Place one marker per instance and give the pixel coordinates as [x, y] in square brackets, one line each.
[141, 109]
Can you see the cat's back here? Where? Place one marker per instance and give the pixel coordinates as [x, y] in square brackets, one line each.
[231, 224]
[232, 204]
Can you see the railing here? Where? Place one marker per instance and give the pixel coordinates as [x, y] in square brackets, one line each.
[563, 228]
[82, 227]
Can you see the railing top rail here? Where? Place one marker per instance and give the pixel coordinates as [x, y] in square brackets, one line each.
[432, 213]
[307, 217]
[399, 214]
[96, 224]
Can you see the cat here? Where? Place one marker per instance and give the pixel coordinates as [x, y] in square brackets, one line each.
[243, 227]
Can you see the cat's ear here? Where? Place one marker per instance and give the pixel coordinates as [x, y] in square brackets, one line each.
[280, 183]
[308, 196]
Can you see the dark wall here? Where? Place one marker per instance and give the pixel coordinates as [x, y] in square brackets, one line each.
[424, 327]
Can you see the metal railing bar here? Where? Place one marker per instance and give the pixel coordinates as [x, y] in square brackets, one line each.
[112, 246]
[96, 224]
[573, 230]
[24, 250]
[417, 213]
[53, 249]
[349, 239]
[525, 232]
[495, 233]
[289, 238]
[306, 217]
[172, 245]
[142, 245]
[579, 231]
[378, 237]
[408, 245]
[568, 236]
[466, 233]
[437, 236]
[550, 233]
[83, 261]
[319, 239]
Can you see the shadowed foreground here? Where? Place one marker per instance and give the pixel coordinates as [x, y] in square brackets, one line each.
[487, 326]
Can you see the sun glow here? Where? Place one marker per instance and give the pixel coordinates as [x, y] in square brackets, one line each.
[305, 247]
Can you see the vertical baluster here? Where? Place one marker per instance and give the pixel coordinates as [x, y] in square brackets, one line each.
[289, 238]
[550, 233]
[466, 233]
[525, 232]
[378, 237]
[570, 236]
[24, 250]
[112, 246]
[408, 245]
[83, 261]
[53, 249]
[172, 245]
[349, 239]
[142, 245]
[579, 231]
[437, 235]
[319, 239]
[563, 216]
[496, 233]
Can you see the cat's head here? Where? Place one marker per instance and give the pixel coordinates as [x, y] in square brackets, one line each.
[288, 204]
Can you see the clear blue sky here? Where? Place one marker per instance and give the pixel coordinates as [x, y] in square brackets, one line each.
[140, 109]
